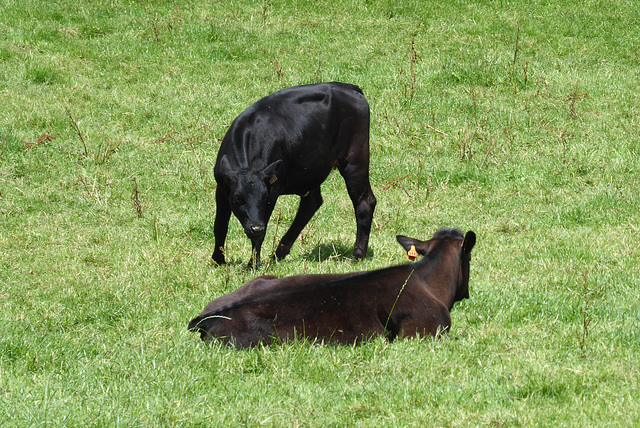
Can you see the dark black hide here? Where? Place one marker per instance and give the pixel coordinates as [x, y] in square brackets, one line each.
[287, 143]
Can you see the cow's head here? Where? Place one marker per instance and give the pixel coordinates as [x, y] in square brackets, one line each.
[460, 254]
[249, 195]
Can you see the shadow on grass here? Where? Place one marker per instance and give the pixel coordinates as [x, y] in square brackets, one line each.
[332, 250]
[322, 252]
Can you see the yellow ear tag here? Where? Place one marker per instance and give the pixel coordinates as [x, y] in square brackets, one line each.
[273, 179]
[412, 254]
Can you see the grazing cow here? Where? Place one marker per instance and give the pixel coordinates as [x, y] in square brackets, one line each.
[399, 301]
[287, 143]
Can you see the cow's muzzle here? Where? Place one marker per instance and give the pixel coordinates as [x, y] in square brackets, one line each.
[255, 230]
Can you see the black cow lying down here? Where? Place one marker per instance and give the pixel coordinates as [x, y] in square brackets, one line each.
[399, 301]
[287, 143]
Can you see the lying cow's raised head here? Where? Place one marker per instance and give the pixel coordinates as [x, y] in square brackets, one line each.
[460, 255]
[249, 195]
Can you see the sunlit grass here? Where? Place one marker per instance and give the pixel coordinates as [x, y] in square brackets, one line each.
[518, 121]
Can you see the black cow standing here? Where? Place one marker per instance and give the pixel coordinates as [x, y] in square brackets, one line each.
[287, 143]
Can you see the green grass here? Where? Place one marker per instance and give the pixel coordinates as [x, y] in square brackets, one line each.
[518, 120]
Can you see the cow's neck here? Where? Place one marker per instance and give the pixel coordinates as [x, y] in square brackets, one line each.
[441, 275]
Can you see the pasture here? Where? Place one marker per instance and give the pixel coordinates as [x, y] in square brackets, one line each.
[517, 120]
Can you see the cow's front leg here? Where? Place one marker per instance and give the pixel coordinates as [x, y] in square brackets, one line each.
[309, 204]
[256, 231]
[221, 225]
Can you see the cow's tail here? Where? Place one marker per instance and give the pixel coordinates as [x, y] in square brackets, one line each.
[205, 324]
[194, 324]
[351, 86]
[357, 89]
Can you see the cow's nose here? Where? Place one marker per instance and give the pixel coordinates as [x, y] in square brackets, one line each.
[256, 229]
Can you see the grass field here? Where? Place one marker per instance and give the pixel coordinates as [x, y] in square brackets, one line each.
[517, 120]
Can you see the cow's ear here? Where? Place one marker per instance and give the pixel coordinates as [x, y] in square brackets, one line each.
[413, 247]
[271, 173]
[469, 242]
[225, 167]
[226, 171]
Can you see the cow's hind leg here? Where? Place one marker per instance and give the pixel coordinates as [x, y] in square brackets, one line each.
[353, 162]
[309, 204]
[354, 167]
[364, 203]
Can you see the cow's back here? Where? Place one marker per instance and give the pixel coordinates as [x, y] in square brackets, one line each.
[299, 125]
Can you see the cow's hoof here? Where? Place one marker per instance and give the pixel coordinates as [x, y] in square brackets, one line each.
[280, 255]
[218, 259]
